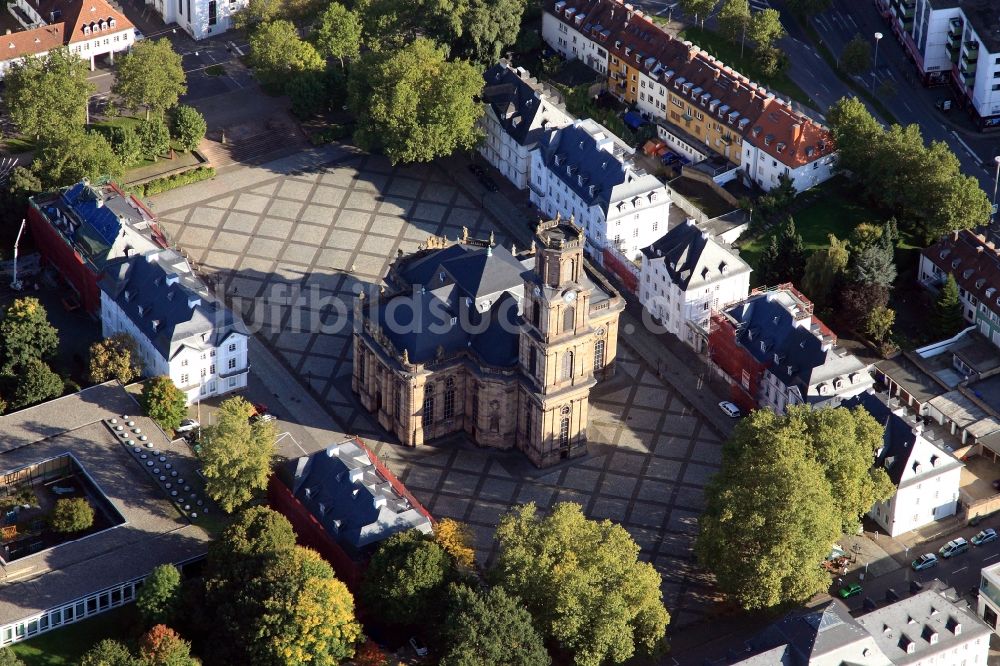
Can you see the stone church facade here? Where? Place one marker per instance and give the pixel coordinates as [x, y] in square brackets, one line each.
[467, 336]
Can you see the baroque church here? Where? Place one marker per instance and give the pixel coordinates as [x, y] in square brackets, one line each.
[467, 336]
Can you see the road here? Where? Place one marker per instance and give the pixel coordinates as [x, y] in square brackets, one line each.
[904, 95]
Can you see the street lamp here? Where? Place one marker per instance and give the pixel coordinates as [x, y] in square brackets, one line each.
[996, 180]
[878, 38]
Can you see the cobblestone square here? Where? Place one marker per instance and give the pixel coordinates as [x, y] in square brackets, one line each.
[275, 238]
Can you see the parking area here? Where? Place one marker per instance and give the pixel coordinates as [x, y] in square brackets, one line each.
[290, 245]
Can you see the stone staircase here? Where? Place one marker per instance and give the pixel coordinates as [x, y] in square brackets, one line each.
[257, 148]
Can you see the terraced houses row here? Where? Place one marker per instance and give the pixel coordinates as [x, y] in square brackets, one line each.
[697, 101]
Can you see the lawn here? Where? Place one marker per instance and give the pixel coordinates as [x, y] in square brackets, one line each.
[833, 212]
[729, 53]
[67, 645]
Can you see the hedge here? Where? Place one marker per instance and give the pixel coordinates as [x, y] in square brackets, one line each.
[159, 185]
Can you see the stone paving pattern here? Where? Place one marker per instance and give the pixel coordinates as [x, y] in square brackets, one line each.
[292, 249]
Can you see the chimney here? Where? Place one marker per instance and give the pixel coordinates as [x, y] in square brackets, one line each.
[355, 474]
[378, 501]
[796, 133]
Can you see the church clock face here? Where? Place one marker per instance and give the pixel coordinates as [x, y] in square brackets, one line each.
[569, 296]
[537, 291]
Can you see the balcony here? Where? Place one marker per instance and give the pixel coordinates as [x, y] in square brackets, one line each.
[968, 66]
[908, 12]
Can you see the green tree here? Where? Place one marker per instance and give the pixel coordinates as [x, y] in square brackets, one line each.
[150, 76]
[114, 358]
[257, 12]
[948, 319]
[391, 24]
[188, 126]
[308, 617]
[25, 332]
[490, 26]
[765, 28]
[879, 324]
[856, 133]
[309, 93]
[67, 158]
[8, 658]
[24, 183]
[856, 58]
[457, 540]
[34, 382]
[277, 53]
[164, 402]
[47, 96]
[337, 33]
[844, 442]
[769, 518]
[72, 515]
[874, 265]
[159, 598]
[734, 19]
[108, 652]
[822, 271]
[784, 258]
[236, 455]
[582, 582]
[154, 137]
[406, 579]
[856, 301]
[125, 143]
[414, 104]
[698, 9]
[865, 235]
[162, 646]
[805, 8]
[490, 627]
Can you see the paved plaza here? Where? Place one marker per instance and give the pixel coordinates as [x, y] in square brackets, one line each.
[291, 243]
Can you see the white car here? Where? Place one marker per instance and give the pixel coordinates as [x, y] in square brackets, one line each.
[730, 409]
[187, 425]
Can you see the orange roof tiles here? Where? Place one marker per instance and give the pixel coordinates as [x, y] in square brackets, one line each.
[725, 94]
[72, 16]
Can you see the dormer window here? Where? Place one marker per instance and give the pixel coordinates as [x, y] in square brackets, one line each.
[86, 31]
[955, 263]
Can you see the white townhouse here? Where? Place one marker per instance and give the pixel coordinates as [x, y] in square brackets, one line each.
[91, 29]
[685, 275]
[181, 329]
[200, 18]
[585, 172]
[785, 143]
[576, 37]
[926, 476]
[518, 109]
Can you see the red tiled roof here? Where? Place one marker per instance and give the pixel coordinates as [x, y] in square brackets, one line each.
[72, 15]
[723, 90]
[973, 260]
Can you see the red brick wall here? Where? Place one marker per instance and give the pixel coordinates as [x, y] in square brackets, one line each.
[60, 254]
[733, 360]
[312, 534]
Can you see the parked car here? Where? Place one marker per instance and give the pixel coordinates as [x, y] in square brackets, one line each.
[924, 562]
[943, 105]
[986, 536]
[953, 548]
[187, 425]
[263, 417]
[730, 409]
[418, 646]
[848, 591]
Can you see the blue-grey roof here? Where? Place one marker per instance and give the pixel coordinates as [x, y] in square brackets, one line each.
[477, 287]
[351, 498]
[808, 635]
[168, 303]
[793, 350]
[92, 212]
[689, 255]
[583, 164]
[899, 436]
[516, 99]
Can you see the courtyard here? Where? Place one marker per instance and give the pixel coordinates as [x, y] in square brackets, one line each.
[292, 241]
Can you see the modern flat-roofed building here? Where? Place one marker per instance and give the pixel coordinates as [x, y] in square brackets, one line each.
[141, 486]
